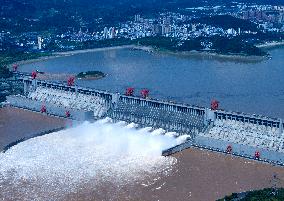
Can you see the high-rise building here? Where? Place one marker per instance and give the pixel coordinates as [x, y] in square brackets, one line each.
[281, 18]
[112, 32]
[105, 33]
[39, 42]
[231, 31]
[166, 29]
[137, 18]
[157, 29]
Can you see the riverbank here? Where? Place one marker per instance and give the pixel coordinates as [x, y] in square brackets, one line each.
[216, 56]
[271, 45]
[70, 53]
[189, 54]
[74, 52]
[193, 54]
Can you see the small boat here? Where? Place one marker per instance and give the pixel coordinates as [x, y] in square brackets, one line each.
[39, 72]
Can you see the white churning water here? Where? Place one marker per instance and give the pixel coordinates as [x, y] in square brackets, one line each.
[56, 165]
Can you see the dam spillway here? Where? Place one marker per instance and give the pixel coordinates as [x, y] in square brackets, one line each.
[89, 156]
[206, 128]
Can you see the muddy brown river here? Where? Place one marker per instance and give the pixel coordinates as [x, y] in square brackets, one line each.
[16, 124]
[74, 166]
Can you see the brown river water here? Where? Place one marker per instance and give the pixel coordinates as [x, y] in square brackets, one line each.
[60, 167]
[199, 176]
[16, 124]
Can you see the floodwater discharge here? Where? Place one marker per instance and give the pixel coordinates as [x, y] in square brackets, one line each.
[100, 160]
[117, 161]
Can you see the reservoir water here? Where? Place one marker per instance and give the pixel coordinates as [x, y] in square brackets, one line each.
[256, 88]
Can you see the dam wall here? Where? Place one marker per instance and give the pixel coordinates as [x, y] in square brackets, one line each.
[272, 156]
[158, 114]
[114, 99]
[248, 118]
[52, 109]
[172, 117]
[209, 129]
[178, 148]
[220, 146]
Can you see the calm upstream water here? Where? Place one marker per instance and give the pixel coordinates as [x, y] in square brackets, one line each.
[247, 87]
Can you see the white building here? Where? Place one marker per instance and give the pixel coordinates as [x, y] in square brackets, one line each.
[39, 42]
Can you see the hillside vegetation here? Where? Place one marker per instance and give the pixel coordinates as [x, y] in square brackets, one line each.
[260, 195]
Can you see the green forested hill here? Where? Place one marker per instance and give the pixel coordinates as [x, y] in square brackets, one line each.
[226, 22]
[34, 15]
[260, 195]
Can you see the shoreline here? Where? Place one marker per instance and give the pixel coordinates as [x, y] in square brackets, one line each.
[212, 55]
[193, 53]
[74, 52]
[270, 45]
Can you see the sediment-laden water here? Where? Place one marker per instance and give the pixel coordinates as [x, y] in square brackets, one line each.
[105, 161]
[16, 124]
[96, 161]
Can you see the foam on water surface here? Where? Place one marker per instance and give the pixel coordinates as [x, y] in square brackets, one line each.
[90, 155]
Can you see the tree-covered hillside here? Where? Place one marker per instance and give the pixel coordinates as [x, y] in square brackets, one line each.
[226, 22]
[260, 195]
[34, 15]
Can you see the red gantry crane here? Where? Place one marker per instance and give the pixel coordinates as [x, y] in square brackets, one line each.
[257, 155]
[34, 75]
[67, 114]
[43, 109]
[214, 105]
[71, 81]
[145, 93]
[129, 91]
[15, 67]
[229, 149]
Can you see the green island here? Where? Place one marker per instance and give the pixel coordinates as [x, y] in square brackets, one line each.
[268, 194]
[90, 75]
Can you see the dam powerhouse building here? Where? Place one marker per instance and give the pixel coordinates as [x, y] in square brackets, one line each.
[251, 136]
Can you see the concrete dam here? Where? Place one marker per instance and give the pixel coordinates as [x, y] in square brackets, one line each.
[251, 136]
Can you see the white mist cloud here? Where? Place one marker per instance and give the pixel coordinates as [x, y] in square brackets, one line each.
[92, 154]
